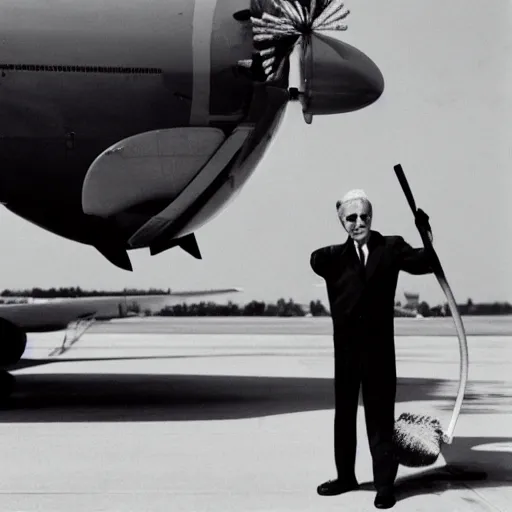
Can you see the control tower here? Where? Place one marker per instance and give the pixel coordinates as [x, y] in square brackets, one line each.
[412, 300]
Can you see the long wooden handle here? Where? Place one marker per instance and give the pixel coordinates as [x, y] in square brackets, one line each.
[452, 304]
[464, 359]
[405, 187]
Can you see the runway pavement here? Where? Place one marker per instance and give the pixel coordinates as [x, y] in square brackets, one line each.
[207, 414]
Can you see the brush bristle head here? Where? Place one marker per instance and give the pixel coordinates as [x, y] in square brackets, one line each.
[417, 439]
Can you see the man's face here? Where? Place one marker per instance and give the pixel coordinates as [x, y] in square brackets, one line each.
[356, 218]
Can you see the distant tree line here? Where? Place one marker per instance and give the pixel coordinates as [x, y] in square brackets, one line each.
[467, 309]
[40, 293]
[316, 308]
[483, 308]
[283, 307]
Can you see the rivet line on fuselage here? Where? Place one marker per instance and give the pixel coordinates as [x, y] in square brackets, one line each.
[80, 69]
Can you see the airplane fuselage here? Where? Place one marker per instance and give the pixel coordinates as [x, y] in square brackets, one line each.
[76, 77]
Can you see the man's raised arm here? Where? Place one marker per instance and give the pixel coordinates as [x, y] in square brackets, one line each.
[411, 260]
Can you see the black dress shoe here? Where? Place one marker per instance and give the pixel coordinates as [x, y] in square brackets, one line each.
[335, 487]
[384, 500]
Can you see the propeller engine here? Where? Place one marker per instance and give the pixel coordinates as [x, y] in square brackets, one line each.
[334, 77]
[160, 186]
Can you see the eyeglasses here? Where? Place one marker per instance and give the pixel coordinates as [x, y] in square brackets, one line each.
[353, 217]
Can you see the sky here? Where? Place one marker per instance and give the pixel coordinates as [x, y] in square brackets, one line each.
[445, 115]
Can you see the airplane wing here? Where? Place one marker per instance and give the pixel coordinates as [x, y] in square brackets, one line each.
[197, 293]
[57, 314]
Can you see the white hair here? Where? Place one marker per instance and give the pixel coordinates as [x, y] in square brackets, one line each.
[353, 195]
[356, 193]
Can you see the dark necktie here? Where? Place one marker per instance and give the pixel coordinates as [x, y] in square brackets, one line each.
[361, 255]
[362, 269]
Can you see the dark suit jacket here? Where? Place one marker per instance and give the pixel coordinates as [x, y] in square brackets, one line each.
[362, 306]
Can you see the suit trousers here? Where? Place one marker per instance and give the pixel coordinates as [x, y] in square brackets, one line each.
[376, 374]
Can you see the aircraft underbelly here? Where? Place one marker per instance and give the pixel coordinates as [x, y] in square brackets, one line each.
[77, 77]
[52, 127]
[98, 106]
[81, 81]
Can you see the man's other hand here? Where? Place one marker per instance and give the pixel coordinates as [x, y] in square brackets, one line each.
[422, 223]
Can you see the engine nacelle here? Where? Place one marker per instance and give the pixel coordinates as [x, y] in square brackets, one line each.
[13, 342]
[148, 166]
[337, 77]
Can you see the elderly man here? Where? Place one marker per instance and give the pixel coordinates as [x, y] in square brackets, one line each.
[361, 276]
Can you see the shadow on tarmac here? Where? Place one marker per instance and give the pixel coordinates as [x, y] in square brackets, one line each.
[141, 397]
[466, 468]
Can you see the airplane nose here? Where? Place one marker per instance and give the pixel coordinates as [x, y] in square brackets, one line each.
[337, 77]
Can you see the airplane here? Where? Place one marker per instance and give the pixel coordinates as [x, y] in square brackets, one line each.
[129, 125]
[75, 316]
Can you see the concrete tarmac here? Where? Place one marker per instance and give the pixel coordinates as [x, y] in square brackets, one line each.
[237, 415]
